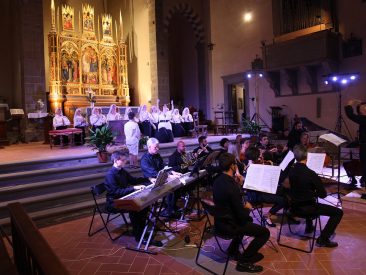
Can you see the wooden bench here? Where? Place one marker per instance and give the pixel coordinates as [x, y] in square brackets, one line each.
[32, 253]
[69, 132]
[6, 264]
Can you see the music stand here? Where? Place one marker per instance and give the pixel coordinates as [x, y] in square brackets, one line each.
[331, 141]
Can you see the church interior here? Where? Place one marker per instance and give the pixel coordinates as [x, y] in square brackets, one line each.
[241, 68]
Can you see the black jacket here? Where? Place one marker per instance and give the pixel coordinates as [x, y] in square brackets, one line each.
[176, 161]
[151, 165]
[360, 120]
[305, 185]
[119, 183]
[230, 212]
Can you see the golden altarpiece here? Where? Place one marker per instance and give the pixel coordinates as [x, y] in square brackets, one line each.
[86, 65]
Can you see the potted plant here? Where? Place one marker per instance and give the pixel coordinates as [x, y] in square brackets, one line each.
[99, 140]
[251, 127]
[142, 142]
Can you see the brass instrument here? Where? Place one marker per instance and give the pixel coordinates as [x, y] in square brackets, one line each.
[189, 159]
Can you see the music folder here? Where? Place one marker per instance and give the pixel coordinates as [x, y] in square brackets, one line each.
[263, 178]
[162, 177]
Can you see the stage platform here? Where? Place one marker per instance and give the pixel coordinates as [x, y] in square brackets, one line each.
[36, 151]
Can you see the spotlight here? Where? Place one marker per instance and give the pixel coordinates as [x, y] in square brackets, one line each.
[326, 82]
[249, 75]
[352, 77]
[248, 17]
[344, 81]
[334, 79]
[260, 75]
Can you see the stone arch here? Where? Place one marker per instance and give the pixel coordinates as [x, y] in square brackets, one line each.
[192, 17]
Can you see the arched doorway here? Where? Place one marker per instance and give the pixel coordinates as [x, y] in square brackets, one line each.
[187, 58]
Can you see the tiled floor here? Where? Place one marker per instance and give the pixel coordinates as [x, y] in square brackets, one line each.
[98, 255]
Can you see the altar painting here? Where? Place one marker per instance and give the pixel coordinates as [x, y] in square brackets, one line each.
[90, 66]
[69, 67]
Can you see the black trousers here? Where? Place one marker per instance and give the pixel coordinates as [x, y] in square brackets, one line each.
[260, 236]
[138, 221]
[335, 215]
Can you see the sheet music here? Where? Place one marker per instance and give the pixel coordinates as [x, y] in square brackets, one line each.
[315, 162]
[263, 178]
[332, 138]
[289, 156]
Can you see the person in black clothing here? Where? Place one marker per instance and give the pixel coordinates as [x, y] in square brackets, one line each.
[176, 159]
[120, 183]
[151, 163]
[203, 149]
[305, 188]
[233, 217]
[294, 137]
[360, 119]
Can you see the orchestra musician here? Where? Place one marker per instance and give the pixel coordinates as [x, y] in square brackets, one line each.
[120, 183]
[233, 217]
[360, 119]
[151, 163]
[270, 151]
[295, 134]
[176, 160]
[244, 145]
[203, 149]
[305, 188]
[252, 154]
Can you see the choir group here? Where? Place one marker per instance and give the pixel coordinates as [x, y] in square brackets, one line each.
[162, 124]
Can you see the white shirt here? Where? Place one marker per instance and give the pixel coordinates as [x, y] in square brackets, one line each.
[187, 118]
[145, 115]
[79, 121]
[116, 116]
[155, 117]
[164, 120]
[97, 120]
[60, 121]
[177, 118]
[132, 132]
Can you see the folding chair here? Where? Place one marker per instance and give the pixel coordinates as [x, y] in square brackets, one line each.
[311, 239]
[209, 209]
[98, 192]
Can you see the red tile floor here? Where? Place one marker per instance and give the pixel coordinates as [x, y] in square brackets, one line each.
[98, 255]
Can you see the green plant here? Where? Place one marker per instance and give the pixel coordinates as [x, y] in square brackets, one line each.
[251, 127]
[143, 141]
[101, 138]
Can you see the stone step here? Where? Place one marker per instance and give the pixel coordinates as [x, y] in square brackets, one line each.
[49, 201]
[53, 186]
[49, 174]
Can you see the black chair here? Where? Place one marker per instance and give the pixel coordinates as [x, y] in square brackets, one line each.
[209, 209]
[288, 212]
[98, 193]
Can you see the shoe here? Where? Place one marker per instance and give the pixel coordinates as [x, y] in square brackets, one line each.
[309, 229]
[248, 267]
[269, 222]
[320, 242]
[153, 242]
[253, 259]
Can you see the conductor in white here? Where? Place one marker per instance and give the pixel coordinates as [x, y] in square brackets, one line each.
[133, 134]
